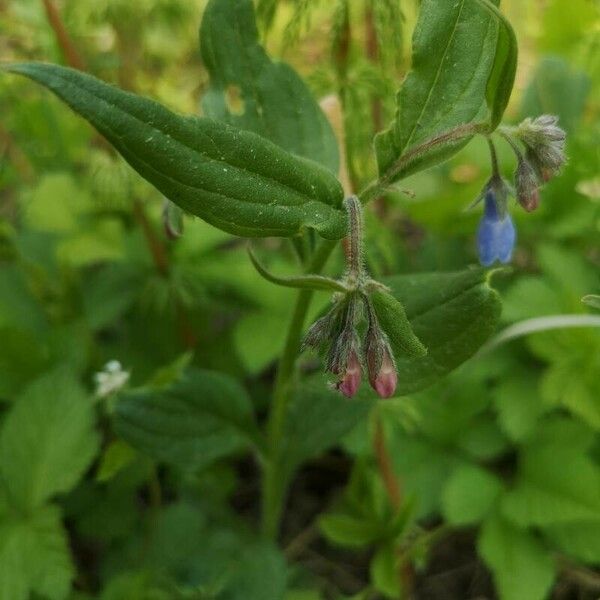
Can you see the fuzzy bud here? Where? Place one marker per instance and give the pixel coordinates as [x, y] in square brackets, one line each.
[319, 332]
[379, 359]
[545, 143]
[383, 378]
[350, 380]
[526, 184]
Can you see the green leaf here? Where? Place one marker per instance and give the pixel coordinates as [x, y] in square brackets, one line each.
[580, 540]
[47, 440]
[573, 383]
[557, 482]
[259, 574]
[559, 88]
[251, 92]
[385, 572]
[518, 404]
[235, 180]
[349, 531]
[393, 320]
[34, 556]
[451, 313]
[502, 75]
[144, 585]
[115, 458]
[109, 291]
[483, 440]
[318, 418]
[523, 569]
[464, 54]
[191, 423]
[469, 494]
[23, 357]
[46, 214]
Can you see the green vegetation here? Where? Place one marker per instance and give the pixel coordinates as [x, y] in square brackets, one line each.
[166, 428]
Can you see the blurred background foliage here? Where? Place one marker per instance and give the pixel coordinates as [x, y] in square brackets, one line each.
[87, 276]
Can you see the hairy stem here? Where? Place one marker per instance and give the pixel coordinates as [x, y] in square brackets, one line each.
[273, 490]
[503, 133]
[381, 186]
[493, 156]
[354, 246]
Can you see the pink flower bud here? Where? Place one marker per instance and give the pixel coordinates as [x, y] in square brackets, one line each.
[530, 200]
[547, 174]
[350, 381]
[384, 381]
[526, 182]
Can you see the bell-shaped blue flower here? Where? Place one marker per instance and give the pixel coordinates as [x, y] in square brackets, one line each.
[496, 235]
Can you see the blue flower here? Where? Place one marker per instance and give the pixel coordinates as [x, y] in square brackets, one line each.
[496, 235]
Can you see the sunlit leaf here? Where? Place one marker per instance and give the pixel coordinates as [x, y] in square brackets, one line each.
[250, 91]
[235, 180]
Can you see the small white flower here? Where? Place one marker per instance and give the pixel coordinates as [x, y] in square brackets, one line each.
[111, 379]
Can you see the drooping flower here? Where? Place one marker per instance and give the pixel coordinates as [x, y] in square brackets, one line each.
[379, 359]
[383, 378]
[350, 377]
[496, 235]
[527, 186]
[344, 346]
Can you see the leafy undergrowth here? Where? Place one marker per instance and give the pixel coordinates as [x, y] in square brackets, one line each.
[163, 436]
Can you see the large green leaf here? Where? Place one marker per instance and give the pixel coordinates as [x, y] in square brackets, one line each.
[518, 404]
[502, 75]
[34, 555]
[580, 540]
[248, 581]
[250, 91]
[192, 422]
[523, 569]
[47, 440]
[318, 418]
[557, 482]
[451, 313]
[469, 494]
[235, 180]
[464, 59]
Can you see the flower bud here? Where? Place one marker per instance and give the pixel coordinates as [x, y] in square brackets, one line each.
[319, 332]
[384, 378]
[379, 358]
[545, 143]
[526, 184]
[350, 381]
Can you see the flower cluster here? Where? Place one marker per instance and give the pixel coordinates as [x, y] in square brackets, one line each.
[351, 336]
[543, 142]
[336, 335]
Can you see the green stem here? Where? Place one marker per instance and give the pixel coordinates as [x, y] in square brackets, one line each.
[273, 479]
[382, 185]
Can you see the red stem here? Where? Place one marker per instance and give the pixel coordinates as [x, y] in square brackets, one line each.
[72, 57]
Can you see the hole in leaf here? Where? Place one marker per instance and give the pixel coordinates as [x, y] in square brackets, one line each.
[234, 101]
